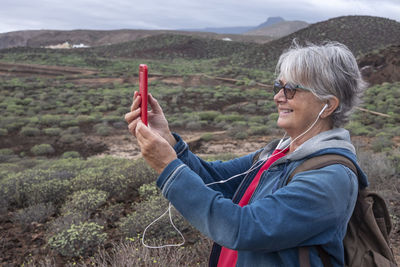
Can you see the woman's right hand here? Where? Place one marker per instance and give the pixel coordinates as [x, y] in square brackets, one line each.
[156, 118]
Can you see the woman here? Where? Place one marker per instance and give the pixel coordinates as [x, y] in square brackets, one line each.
[254, 218]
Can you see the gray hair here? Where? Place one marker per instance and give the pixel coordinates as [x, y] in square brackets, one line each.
[329, 70]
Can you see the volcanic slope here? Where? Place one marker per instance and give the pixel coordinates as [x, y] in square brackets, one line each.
[362, 34]
[381, 65]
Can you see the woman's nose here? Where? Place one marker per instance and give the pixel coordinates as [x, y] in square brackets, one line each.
[280, 96]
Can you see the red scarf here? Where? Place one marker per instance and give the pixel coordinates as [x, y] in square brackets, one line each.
[228, 257]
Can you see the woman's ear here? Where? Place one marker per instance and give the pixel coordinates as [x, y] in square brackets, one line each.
[333, 103]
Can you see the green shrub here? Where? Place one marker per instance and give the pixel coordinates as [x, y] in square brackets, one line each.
[229, 118]
[148, 190]
[35, 213]
[3, 205]
[193, 125]
[111, 119]
[392, 130]
[241, 135]
[258, 119]
[35, 186]
[83, 119]
[42, 149]
[64, 222]
[207, 137]
[80, 239]
[137, 172]
[54, 180]
[382, 143]
[15, 109]
[356, 128]
[103, 129]
[238, 130]
[52, 131]
[12, 123]
[70, 138]
[24, 101]
[70, 154]
[145, 213]
[29, 131]
[176, 123]
[249, 108]
[223, 125]
[7, 155]
[72, 111]
[114, 212]
[273, 117]
[34, 121]
[85, 201]
[109, 175]
[3, 132]
[208, 115]
[54, 190]
[69, 123]
[101, 108]
[123, 110]
[7, 169]
[50, 120]
[72, 130]
[6, 152]
[259, 130]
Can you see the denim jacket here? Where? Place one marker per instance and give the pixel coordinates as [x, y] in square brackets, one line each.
[313, 209]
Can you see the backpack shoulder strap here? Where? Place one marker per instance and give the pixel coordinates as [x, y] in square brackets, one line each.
[319, 162]
[315, 163]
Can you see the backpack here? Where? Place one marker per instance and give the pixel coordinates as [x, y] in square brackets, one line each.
[366, 242]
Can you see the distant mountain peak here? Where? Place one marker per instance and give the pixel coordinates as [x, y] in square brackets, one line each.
[273, 20]
[239, 29]
[270, 21]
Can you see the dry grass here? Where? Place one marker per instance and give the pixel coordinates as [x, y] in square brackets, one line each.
[134, 254]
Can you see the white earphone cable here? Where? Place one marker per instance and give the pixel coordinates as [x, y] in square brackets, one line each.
[253, 167]
[173, 225]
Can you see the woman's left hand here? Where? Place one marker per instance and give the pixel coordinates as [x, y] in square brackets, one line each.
[157, 152]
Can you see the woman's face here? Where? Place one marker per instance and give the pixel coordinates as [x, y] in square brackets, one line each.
[296, 115]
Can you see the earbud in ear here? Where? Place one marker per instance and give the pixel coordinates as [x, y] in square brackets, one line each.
[323, 109]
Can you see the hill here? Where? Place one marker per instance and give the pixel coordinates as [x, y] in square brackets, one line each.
[170, 46]
[42, 38]
[361, 34]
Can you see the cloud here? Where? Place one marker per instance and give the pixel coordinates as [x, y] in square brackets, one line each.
[175, 14]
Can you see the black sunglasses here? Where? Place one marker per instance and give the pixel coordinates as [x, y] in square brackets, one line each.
[289, 90]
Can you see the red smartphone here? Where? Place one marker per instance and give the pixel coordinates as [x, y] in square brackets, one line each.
[143, 91]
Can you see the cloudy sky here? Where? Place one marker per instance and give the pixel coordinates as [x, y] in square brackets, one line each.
[177, 14]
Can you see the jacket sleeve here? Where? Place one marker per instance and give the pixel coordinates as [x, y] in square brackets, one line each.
[211, 172]
[309, 210]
